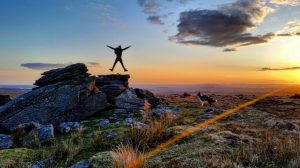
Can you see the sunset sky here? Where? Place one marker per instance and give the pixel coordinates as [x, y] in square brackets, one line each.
[173, 41]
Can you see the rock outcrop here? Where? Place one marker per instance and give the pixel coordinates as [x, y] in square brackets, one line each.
[112, 85]
[4, 99]
[70, 94]
[149, 96]
[62, 97]
[73, 74]
[128, 104]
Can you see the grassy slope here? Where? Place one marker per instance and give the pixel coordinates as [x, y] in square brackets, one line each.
[222, 144]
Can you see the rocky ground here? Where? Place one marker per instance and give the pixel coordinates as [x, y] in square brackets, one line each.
[95, 121]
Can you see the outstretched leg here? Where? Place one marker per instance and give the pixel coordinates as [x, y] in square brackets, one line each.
[112, 69]
[121, 61]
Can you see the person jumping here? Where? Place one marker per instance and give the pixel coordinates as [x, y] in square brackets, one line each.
[118, 52]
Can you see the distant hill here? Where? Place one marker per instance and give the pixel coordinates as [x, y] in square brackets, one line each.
[14, 90]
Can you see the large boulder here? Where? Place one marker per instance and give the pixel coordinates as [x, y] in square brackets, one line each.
[128, 103]
[55, 103]
[65, 75]
[146, 94]
[112, 85]
[4, 99]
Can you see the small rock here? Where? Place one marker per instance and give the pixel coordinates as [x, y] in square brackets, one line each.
[205, 116]
[113, 119]
[5, 141]
[44, 133]
[185, 95]
[104, 122]
[66, 127]
[42, 163]
[82, 164]
[140, 125]
[111, 134]
[162, 110]
[128, 121]
[209, 110]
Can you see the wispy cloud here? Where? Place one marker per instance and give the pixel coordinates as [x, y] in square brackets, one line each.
[286, 2]
[230, 49]
[279, 69]
[48, 66]
[105, 14]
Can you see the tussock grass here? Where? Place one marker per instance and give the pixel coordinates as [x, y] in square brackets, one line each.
[67, 150]
[152, 135]
[125, 156]
[272, 151]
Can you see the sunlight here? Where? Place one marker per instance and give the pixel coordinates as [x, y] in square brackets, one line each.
[290, 50]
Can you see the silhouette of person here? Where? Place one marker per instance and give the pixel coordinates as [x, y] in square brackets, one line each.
[118, 52]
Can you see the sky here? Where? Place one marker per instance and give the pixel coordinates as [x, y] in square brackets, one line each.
[173, 41]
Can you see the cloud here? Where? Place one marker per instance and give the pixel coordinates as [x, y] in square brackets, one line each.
[48, 66]
[292, 28]
[155, 20]
[225, 26]
[229, 49]
[279, 69]
[286, 2]
[105, 14]
[150, 6]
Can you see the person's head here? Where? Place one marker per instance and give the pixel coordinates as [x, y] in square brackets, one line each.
[120, 46]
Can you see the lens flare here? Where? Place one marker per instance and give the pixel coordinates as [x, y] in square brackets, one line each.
[198, 127]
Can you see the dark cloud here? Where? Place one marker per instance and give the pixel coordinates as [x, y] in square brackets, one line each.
[279, 69]
[48, 66]
[229, 49]
[43, 66]
[225, 26]
[151, 6]
[155, 20]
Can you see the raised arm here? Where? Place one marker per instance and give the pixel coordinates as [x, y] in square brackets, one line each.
[126, 48]
[110, 47]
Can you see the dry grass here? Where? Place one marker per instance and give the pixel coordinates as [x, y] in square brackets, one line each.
[125, 156]
[272, 151]
[67, 150]
[152, 135]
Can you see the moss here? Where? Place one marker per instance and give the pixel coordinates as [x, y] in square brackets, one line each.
[18, 157]
[102, 159]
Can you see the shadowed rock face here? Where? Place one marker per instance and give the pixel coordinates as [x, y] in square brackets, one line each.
[112, 85]
[72, 99]
[4, 99]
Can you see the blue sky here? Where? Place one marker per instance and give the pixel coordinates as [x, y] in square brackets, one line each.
[70, 31]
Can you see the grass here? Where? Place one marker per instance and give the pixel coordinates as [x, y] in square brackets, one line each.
[152, 135]
[272, 150]
[17, 158]
[125, 157]
[269, 149]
